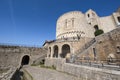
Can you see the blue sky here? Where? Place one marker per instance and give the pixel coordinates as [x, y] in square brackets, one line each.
[31, 22]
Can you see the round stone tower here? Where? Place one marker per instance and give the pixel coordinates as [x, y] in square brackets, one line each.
[73, 24]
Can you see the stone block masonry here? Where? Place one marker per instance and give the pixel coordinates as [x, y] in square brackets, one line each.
[83, 72]
[11, 58]
[91, 73]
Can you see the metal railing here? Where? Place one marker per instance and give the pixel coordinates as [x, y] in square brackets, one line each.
[115, 65]
[105, 64]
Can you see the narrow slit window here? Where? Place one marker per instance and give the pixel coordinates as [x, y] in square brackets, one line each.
[96, 27]
[118, 19]
[88, 15]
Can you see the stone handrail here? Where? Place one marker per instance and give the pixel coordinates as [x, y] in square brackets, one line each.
[87, 45]
[99, 63]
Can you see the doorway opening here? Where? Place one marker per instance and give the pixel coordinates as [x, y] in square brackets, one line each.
[25, 60]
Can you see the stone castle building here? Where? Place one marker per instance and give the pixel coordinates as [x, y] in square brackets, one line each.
[75, 23]
[75, 31]
[74, 37]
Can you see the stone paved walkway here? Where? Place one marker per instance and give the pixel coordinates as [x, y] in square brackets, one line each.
[48, 74]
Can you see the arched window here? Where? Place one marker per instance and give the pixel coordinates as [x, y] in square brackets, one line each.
[96, 27]
[65, 50]
[78, 36]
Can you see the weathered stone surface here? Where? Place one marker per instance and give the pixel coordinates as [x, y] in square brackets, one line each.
[76, 23]
[11, 57]
[105, 45]
[47, 74]
[85, 72]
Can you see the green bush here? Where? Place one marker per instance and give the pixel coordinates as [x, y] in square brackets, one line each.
[98, 32]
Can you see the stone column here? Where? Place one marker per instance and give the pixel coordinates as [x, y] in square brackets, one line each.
[73, 51]
[51, 54]
[48, 52]
[60, 51]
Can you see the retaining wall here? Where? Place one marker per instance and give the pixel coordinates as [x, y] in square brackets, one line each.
[83, 72]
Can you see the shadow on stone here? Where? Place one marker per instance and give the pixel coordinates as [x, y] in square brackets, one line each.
[17, 75]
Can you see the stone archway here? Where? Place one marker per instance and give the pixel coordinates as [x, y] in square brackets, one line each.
[65, 50]
[25, 60]
[55, 54]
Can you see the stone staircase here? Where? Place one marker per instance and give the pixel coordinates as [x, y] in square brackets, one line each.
[42, 57]
[87, 45]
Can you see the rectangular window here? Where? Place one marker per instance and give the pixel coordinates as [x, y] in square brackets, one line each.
[88, 15]
[118, 19]
[118, 49]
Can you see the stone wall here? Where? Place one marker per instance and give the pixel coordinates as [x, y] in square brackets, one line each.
[105, 45]
[74, 44]
[56, 62]
[12, 55]
[83, 72]
[107, 23]
[73, 24]
[76, 23]
[90, 73]
[11, 58]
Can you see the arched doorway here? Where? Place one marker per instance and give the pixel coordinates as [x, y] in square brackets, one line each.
[25, 60]
[65, 50]
[55, 51]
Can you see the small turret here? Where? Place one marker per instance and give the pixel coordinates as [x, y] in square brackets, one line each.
[91, 17]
